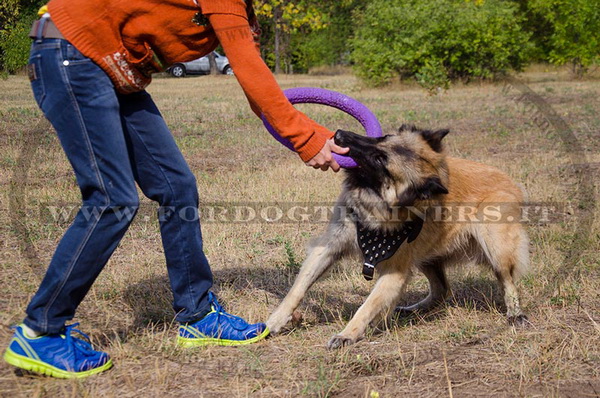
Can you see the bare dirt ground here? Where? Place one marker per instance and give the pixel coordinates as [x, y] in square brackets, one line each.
[464, 349]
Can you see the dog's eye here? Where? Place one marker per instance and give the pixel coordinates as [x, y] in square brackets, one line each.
[379, 159]
[403, 151]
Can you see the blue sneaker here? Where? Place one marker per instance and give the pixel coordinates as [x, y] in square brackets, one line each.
[57, 355]
[220, 328]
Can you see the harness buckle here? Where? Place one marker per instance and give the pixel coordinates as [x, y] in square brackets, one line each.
[368, 270]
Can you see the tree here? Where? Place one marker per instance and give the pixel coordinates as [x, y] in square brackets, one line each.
[329, 45]
[212, 61]
[282, 18]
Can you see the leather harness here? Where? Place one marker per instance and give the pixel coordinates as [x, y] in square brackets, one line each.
[378, 246]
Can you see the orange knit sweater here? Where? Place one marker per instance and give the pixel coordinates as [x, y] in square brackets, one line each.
[131, 39]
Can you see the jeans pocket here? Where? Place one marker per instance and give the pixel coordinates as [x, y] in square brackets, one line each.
[36, 77]
[73, 56]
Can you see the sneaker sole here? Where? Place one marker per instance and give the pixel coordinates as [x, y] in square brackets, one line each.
[207, 341]
[43, 368]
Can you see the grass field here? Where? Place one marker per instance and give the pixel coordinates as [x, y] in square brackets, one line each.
[464, 349]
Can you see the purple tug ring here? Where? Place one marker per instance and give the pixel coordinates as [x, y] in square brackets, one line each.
[313, 95]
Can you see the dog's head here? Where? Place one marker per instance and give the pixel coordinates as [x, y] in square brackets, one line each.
[400, 168]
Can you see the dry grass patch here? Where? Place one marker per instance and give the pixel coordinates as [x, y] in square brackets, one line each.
[464, 348]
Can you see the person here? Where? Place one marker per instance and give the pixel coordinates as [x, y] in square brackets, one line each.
[90, 63]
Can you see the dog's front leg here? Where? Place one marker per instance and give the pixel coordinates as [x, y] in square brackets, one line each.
[381, 301]
[319, 259]
[338, 240]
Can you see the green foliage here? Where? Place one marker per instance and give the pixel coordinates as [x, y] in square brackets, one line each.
[280, 21]
[329, 45]
[14, 45]
[16, 17]
[439, 40]
[433, 75]
[569, 31]
[433, 42]
[293, 14]
[292, 260]
[9, 13]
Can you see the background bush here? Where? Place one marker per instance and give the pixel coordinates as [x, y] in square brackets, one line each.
[433, 41]
[15, 44]
[16, 17]
[329, 46]
[438, 40]
[567, 31]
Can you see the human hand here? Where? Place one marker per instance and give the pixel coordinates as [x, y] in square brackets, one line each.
[324, 159]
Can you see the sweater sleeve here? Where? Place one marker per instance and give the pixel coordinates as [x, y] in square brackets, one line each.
[261, 88]
[233, 7]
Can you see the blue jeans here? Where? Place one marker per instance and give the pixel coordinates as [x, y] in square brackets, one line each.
[113, 141]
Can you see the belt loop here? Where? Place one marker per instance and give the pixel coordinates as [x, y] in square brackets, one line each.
[41, 27]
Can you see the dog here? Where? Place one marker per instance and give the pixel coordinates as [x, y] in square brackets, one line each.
[442, 210]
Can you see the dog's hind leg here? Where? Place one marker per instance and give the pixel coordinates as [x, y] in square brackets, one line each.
[338, 241]
[380, 302]
[438, 287]
[506, 246]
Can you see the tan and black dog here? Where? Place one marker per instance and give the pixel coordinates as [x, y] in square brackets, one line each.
[445, 210]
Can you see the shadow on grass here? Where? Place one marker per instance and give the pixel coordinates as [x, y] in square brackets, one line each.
[480, 293]
[151, 298]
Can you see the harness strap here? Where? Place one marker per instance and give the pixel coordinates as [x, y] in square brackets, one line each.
[378, 246]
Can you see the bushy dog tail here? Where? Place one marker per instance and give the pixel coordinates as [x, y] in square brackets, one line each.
[521, 265]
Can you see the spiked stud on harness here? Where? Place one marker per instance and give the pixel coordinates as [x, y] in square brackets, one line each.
[377, 246]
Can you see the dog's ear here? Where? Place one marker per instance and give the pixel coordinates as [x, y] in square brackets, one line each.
[432, 186]
[434, 138]
[407, 127]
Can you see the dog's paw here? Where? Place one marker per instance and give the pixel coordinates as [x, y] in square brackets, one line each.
[273, 330]
[275, 323]
[519, 321]
[338, 341]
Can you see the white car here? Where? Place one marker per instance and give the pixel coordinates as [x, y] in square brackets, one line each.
[201, 66]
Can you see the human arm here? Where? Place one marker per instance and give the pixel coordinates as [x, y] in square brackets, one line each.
[310, 139]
